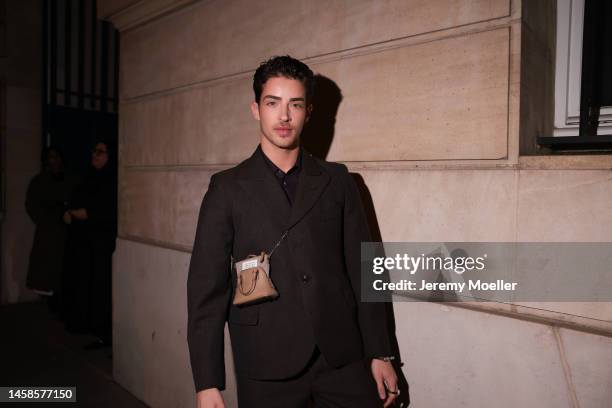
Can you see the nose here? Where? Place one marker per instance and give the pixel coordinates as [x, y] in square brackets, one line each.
[285, 115]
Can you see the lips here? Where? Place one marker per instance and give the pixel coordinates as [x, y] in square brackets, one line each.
[283, 131]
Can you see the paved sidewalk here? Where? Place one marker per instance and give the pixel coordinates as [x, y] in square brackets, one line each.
[36, 351]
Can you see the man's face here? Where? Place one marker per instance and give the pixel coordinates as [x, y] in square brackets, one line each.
[281, 112]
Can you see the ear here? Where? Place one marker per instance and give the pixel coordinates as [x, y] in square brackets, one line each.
[255, 110]
[308, 112]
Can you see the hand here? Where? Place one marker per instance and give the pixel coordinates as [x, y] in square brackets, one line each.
[386, 379]
[210, 398]
[67, 217]
[79, 214]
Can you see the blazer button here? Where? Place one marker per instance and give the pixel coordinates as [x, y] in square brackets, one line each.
[305, 278]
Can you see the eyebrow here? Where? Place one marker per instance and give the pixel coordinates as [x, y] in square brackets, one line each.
[279, 98]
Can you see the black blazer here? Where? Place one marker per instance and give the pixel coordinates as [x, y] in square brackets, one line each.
[316, 270]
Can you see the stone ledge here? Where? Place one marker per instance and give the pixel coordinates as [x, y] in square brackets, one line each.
[142, 12]
[543, 316]
[566, 162]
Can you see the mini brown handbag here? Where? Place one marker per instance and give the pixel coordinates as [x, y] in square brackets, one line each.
[253, 283]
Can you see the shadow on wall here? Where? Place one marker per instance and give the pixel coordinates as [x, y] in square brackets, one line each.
[316, 139]
[319, 132]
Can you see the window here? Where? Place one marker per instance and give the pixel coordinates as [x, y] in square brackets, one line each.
[570, 23]
[583, 75]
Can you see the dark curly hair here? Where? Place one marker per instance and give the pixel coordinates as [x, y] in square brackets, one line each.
[283, 66]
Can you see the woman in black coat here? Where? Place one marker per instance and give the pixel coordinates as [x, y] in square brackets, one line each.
[45, 202]
[93, 223]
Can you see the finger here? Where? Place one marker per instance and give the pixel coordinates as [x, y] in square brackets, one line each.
[391, 396]
[392, 386]
[390, 399]
[381, 388]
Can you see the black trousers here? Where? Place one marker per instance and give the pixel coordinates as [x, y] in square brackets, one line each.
[318, 385]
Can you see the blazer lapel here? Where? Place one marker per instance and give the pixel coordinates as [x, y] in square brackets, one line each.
[265, 190]
[312, 182]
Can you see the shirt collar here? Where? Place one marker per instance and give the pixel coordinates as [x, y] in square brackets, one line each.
[278, 172]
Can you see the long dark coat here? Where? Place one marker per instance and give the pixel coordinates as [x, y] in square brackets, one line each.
[45, 203]
[91, 243]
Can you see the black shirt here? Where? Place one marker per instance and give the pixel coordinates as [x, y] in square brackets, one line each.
[288, 181]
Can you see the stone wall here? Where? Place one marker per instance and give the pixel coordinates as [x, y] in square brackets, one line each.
[428, 112]
[21, 138]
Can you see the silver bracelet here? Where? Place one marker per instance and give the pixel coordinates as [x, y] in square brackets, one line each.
[386, 358]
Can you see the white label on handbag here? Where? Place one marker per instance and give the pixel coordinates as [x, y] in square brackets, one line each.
[249, 264]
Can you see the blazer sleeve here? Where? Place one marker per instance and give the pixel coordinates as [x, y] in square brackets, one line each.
[372, 316]
[209, 289]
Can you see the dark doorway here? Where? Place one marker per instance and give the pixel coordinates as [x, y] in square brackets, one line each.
[80, 80]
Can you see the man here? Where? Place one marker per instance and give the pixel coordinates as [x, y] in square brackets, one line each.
[316, 341]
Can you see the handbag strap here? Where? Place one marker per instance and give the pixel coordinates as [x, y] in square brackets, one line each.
[278, 243]
[271, 251]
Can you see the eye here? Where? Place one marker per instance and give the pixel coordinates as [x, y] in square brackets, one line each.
[270, 103]
[298, 105]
